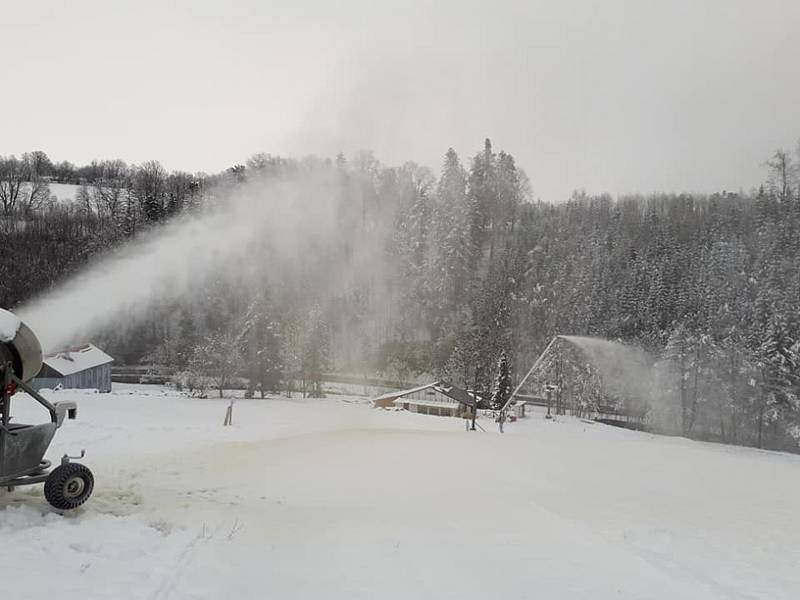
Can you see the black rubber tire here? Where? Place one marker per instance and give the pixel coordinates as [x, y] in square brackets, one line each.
[69, 486]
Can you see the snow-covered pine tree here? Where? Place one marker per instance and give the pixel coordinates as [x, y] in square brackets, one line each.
[482, 193]
[502, 386]
[187, 338]
[263, 352]
[778, 365]
[679, 351]
[452, 234]
[270, 361]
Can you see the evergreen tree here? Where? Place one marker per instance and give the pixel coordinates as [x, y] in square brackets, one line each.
[424, 278]
[263, 347]
[483, 201]
[502, 385]
[778, 365]
[452, 235]
[187, 339]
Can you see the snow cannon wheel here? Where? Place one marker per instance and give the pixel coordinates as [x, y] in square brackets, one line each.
[69, 486]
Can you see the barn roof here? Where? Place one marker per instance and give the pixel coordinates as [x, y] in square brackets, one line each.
[452, 391]
[73, 360]
[457, 394]
[398, 394]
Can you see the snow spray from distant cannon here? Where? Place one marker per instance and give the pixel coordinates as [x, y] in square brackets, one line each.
[290, 214]
[625, 371]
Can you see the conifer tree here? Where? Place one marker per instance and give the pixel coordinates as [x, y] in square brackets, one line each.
[187, 338]
[502, 385]
[452, 234]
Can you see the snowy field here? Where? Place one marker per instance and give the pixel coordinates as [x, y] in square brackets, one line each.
[334, 499]
[64, 192]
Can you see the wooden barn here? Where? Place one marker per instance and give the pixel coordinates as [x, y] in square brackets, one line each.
[81, 367]
[438, 398]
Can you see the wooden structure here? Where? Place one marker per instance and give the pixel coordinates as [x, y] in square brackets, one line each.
[80, 367]
[438, 398]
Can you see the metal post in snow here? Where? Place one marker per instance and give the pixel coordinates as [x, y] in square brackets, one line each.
[228, 415]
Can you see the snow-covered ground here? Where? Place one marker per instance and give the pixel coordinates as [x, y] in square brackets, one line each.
[64, 192]
[332, 498]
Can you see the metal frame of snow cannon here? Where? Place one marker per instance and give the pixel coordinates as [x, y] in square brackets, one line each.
[22, 448]
[512, 397]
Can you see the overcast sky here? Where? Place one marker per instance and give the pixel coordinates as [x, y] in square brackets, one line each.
[609, 96]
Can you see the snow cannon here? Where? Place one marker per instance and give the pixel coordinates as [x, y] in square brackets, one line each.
[23, 446]
[19, 346]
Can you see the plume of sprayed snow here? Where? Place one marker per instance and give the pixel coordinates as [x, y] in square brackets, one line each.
[292, 213]
[645, 385]
[628, 372]
[625, 370]
[631, 373]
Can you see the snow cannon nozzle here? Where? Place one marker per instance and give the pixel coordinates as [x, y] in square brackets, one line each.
[19, 346]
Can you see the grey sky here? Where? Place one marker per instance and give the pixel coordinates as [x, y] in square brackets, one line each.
[608, 96]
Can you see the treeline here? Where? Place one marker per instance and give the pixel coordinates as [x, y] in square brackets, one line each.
[436, 275]
[44, 241]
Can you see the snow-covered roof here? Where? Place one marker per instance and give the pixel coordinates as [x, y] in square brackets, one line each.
[9, 325]
[397, 394]
[456, 393]
[451, 391]
[73, 360]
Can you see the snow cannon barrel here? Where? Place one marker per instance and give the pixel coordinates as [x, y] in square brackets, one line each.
[19, 346]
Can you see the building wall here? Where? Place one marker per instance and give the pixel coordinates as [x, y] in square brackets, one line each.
[98, 378]
[384, 403]
[445, 410]
[49, 383]
[419, 402]
[439, 411]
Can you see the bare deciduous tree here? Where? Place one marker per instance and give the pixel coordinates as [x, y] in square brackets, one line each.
[12, 180]
[781, 173]
[36, 167]
[109, 188]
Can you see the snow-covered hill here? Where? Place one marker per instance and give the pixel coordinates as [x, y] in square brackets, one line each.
[331, 498]
[64, 192]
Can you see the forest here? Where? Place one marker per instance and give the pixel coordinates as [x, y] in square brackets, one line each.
[442, 274]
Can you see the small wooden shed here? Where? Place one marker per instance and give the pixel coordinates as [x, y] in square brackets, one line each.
[80, 367]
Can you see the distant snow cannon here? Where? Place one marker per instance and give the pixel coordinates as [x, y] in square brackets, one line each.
[22, 447]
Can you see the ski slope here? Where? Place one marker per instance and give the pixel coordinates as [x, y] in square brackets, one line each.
[332, 498]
